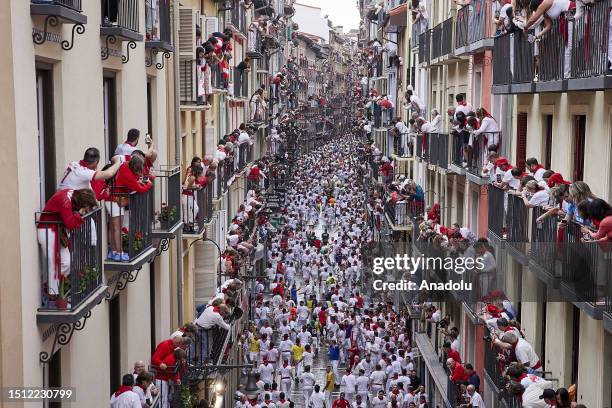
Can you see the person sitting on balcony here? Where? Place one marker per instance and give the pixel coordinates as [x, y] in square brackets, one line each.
[125, 397]
[68, 207]
[79, 175]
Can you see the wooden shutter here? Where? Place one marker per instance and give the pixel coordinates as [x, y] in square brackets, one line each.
[579, 135]
[521, 139]
[188, 18]
[211, 25]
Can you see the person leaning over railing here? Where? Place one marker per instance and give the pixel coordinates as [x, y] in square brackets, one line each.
[68, 208]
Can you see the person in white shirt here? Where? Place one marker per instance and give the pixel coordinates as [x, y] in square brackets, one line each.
[362, 382]
[534, 195]
[360, 402]
[213, 316]
[143, 386]
[380, 401]
[524, 352]
[488, 127]
[349, 384]
[436, 121]
[286, 375]
[403, 132]
[317, 399]
[79, 175]
[462, 105]
[266, 371]
[125, 397]
[475, 398]
[416, 103]
[308, 380]
[377, 379]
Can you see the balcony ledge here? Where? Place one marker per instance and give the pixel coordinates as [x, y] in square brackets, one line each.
[64, 13]
[145, 257]
[456, 169]
[481, 45]
[471, 314]
[254, 55]
[544, 276]
[53, 316]
[481, 181]
[394, 227]
[607, 321]
[551, 86]
[194, 107]
[170, 233]
[121, 33]
[590, 308]
[159, 45]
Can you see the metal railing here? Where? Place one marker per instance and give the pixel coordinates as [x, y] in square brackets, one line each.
[241, 83]
[447, 44]
[438, 149]
[481, 23]
[477, 153]
[121, 13]
[157, 21]
[197, 208]
[424, 47]
[245, 155]
[494, 367]
[462, 27]
[238, 16]
[217, 79]
[401, 213]
[496, 198]
[208, 347]
[436, 41]
[523, 70]
[502, 72]
[254, 45]
[71, 4]
[517, 225]
[545, 251]
[139, 210]
[422, 146]
[71, 259]
[188, 82]
[552, 52]
[167, 191]
[589, 53]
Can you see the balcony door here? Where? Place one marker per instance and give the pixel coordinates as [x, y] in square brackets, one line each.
[114, 336]
[521, 139]
[579, 140]
[110, 114]
[547, 141]
[46, 134]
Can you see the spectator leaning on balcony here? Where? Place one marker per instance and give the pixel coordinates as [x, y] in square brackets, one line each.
[600, 214]
[125, 397]
[416, 103]
[521, 349]
[488, 127]
[213, 316]
[436, 121]
[79, 175]
[66, 206]
[534, 195]
[462, 105]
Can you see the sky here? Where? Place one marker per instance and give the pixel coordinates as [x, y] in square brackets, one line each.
[340, 12]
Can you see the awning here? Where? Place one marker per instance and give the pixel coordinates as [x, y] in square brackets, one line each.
[399, 16]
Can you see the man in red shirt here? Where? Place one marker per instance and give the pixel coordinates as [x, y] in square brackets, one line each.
[341, 402]
[450, 353]
[458, 373]
[63, 212]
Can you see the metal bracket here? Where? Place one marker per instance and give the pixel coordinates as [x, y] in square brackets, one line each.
[123, 279]
[79, 29]
[152, 55]
[41, 38]
[126, 58]
[63, 335]
[105, 53]
[164, 245]
[165, 56]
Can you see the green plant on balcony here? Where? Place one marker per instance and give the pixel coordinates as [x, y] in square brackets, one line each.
[137, 243]
[167, 215]
[188, 397]
[88, 277]
[63, 293]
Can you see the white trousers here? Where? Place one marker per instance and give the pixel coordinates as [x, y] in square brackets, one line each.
[47, 240]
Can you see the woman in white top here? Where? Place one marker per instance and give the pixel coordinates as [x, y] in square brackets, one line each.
[488, 126]
[534, 195]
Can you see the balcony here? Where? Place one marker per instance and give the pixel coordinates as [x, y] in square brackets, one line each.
[136, 240]
[254, 49]
[555, 253]
[121, 21]
[76, 257]
[158, 29]
[461, 30]
[197, 210]
[240, 84]
[438, 150]
[225, 172]
[382, 117]
[188, 84]
[573, 56]
[166, 204]
[245, 155]
[424, 47]
[470, 160]
[235, 18]
[219, 83]
[58, 12]
[400, 214]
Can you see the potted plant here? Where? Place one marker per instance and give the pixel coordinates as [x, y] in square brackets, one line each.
[167, 216]
[63, 294]
[88, 277]
[137, 242]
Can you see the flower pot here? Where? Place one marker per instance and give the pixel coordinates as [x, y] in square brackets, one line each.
[61, 304]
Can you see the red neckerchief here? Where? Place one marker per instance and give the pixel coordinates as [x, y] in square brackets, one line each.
[142, 387]
[537, 167]
[463, 103]
[122, 389]
[524, 375]
[216, 309]
[82, 163]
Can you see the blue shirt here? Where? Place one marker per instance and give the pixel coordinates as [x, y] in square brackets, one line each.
[334, 353]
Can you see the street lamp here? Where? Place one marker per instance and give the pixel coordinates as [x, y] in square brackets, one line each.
[251, 390]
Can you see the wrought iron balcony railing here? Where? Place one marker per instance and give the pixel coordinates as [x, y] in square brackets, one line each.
[240, 83]
[424, 47]
[75, 5]
[167, 206]
[462, 27]
[197, 208]
[157, 22]
[71, 260]
[122, 14]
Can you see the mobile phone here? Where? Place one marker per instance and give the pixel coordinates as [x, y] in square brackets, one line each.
[148, 139]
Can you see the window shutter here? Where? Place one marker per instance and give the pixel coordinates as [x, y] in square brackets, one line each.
[521, 139]
[211, 25]
[579, 136]
[188, 19]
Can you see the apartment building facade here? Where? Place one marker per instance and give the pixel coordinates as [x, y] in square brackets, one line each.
[550, 102]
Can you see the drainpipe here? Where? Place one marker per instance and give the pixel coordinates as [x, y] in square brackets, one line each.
[177, 161]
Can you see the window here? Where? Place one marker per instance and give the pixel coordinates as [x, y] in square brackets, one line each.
[110, 114]
[46, 134]
[547, 142]
[55, 375]
[579, 135]
[521, 139]
[114, 335]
